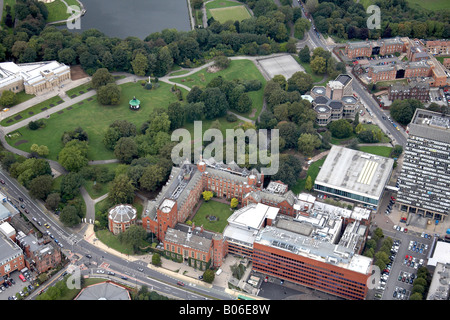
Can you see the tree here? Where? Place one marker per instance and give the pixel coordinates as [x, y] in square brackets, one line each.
[341, 129]
[8, 98]
[126, 149]
[101, 77]
[109, 94]
[70, 185]
[133, 236]
[319, 65]
[156, 259]
[234, 202]
[307, 143]
[244, 103]
[153, 177]
[53, 200]
[216, 103]
[304, 54]
[300, 81]
[74, 155]
[122, 190]
[301, 26]
[208, 276]
[140, 64]
[222, 62]
[175, 111]
[67, 56]
[41, 186]
[289, 169]
[207, 195]
[402, 111]
[308, 183]
[40, 150]
[69, 216]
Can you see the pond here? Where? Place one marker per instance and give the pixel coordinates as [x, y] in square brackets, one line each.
[139, 18]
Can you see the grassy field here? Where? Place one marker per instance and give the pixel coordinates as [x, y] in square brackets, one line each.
[434, 5]
[377, 150]
[57, 10]
[313, 171]
[38, 108]
[95, 119]
[238, 69]
[218, 209]
[222, 10]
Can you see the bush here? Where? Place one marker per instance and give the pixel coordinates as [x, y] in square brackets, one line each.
[231, 117]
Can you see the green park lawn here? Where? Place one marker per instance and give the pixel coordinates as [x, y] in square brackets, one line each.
[238, 69]
[218, 209]
[57, 10]
[31, 111]
[94, 118]
[377, 150]
[222, 11]
[313, 171]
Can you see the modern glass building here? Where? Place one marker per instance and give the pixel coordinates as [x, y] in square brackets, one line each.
[354, 175]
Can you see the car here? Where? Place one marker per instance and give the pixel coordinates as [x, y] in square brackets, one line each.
[140, 269]
[395, 227]
[30, 287]
[46, 225]
[22, 206]
[2, 181]
[180, 283]
[395, 294]
[60, 244]
[88, 256]
[26, 211]
[200, 277]
[111, 273]
[406, 230]
[12, 281]
[392, 198]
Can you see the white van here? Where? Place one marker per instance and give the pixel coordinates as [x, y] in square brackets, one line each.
[218, 272]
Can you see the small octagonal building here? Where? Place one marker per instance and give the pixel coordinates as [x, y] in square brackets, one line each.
[121, 217]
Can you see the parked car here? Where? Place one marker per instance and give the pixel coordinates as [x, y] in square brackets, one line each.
[180, 283]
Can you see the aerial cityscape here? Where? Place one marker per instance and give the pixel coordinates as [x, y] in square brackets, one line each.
[224, 150]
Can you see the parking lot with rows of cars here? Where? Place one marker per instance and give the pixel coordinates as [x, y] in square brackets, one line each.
[408, 253]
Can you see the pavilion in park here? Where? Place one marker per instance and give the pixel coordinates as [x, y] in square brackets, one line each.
[135, 104]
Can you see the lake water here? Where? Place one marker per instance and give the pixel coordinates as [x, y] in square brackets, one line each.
[139, 18]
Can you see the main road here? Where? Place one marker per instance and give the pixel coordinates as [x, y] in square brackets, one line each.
[136, 272]
[398, 136]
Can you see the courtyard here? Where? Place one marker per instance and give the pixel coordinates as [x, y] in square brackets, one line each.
[212, 215]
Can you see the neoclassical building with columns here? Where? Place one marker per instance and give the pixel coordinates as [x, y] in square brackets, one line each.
[33, 78]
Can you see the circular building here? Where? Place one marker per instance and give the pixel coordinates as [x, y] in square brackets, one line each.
[121, 217]
[135, 104]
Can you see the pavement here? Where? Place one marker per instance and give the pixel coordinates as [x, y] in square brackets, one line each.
[180, 271]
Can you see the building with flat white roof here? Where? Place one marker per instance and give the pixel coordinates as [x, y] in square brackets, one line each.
[34, 78]
[354, 175]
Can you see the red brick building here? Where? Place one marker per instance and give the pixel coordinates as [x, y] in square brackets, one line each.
[316, 265]
[41, 254]
[374, 47]
[11, 257]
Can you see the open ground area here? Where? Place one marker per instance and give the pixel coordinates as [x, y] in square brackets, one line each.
[284, 65]
[95, 119]
[213, 215]
[227, 10]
